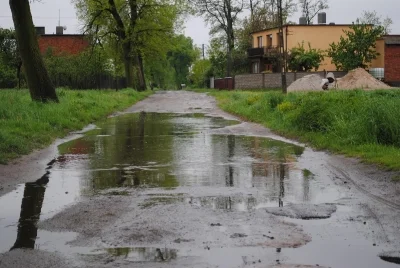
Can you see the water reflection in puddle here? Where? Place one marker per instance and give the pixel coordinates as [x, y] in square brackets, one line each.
[143, 150]
[168, 151]
[141, 254]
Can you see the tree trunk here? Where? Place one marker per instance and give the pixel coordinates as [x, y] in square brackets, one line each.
[19, 73]
[40, 86]
[140, 73]
[231, 45]
[128, 65]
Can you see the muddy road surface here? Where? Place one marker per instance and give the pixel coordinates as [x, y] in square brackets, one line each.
[176, 182]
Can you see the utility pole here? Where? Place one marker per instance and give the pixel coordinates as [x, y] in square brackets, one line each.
[203, 50]
[282, 47]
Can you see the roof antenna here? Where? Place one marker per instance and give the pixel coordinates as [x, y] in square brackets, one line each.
[59, 18]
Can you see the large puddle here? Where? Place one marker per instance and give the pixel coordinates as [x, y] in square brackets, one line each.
[159, 151]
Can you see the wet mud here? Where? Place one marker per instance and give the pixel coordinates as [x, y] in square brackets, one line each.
[391, 256]
[304, 212]
[29, 258]
[168, 185]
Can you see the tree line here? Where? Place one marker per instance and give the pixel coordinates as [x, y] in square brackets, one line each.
[141, 41]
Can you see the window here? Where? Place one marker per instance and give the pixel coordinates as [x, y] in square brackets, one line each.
[256, 67]
[259, 41]
[269, 41]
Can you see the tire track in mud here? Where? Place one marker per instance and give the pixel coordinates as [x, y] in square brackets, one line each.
[370, 195]
[366, 192]
[385, 237]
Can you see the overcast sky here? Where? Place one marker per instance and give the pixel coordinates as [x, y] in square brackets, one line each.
[45, 13]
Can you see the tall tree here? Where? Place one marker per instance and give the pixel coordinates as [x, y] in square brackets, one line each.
[264, 15]
[270, 9]
[40, 86]
[200, 72]
[311, 8]
[357, 49]
[372, 17]
[222, 15]
[181, 56]
[131, 22]
[217, 55]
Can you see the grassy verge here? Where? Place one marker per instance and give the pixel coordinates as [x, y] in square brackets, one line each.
[27, 125]
[355, 123]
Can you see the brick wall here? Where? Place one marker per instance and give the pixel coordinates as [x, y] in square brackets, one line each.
[70, 44]
[274, 80]
[392, 65]
[249, 81]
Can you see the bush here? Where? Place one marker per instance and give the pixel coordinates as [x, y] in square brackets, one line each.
[80, 71]
[302, 60]
[8, 78]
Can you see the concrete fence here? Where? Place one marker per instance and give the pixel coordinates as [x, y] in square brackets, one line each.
[272, 80]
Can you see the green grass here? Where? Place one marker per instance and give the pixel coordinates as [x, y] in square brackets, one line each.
[26, 125]
[355, 123]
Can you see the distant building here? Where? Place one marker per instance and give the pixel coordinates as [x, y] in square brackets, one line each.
[392, 60]
[61, 43]
[263, 55]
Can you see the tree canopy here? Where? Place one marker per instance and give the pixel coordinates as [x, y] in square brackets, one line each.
[137, 28]
[303, 60]
[222, 16]
[311, 8]
[372, 17]
[357, 49]
[181, 56]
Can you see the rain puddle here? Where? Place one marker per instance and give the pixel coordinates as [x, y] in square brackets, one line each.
[141, 254]
[160, 152]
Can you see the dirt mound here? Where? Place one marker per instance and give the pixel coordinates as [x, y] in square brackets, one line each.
[360, 79]
[310, 82]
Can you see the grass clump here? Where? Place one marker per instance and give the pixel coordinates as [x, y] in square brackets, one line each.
[26, 125]
[358, 123]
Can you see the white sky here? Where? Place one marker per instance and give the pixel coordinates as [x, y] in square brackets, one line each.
[45, 13]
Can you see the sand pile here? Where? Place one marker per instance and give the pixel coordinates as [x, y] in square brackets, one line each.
[360, 79]
[310, 82]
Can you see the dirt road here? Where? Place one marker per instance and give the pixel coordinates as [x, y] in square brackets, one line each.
[176, 182]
